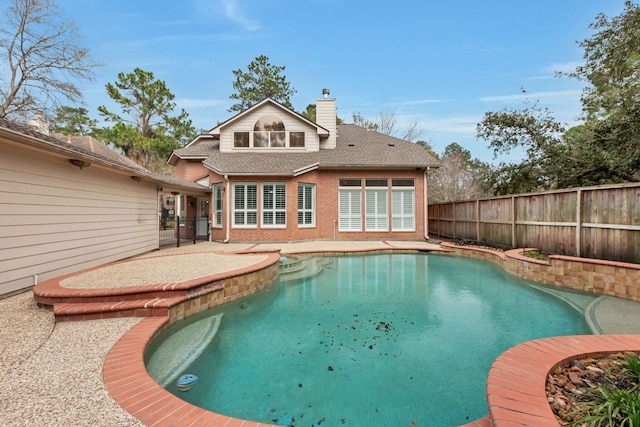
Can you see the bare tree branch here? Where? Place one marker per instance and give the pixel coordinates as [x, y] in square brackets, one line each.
[43, 59]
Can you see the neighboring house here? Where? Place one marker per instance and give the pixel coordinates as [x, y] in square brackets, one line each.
[72, 203]
[277, 176]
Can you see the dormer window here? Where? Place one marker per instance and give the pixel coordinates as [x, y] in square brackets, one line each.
[241, 139]
[296, 139]
[269, 132]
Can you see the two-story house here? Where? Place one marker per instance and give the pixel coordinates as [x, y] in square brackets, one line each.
[277, 176]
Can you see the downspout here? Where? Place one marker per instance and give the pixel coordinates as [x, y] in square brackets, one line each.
[210, 214]
[227, 192]
[426, 206]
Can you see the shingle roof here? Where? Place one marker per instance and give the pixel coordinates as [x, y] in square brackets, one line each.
[96, 147]
[200, 150]
[356, 147]
[92, 151]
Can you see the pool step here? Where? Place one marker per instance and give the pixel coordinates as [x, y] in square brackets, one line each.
[182, 298]
[153, 307]
[482, 422]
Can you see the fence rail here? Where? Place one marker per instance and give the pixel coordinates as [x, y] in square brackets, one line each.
[174, 232]
[594, 222]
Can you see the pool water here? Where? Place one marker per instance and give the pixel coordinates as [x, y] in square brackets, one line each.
[375, 340]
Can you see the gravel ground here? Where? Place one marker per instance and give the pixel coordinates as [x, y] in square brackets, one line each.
[52, 373]
[156, 270]
[24, 328]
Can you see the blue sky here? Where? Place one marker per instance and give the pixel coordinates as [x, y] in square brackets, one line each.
[442, 64]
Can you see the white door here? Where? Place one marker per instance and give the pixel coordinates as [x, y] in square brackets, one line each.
[202, 219]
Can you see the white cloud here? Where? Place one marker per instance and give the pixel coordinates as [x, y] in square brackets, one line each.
[416, 102]
[564, 67]
[549, 72]
[465, 125]
[544, 96]
[234, 13]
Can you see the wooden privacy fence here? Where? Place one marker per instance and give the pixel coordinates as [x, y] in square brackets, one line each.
[594, 222]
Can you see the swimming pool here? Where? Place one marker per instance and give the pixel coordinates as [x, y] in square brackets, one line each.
[400, 339]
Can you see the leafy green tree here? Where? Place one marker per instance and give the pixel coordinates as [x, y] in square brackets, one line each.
[40, 59]
[427, 146]
[605, 148]
[261, 80]
[310, 113]
[146, 131]
[611, 100]
[532, 130]
[73, 121]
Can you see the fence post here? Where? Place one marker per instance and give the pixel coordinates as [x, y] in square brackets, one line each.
[453, 209]
[513, 222]
[477, 220]
[178, 230]
[578, 222]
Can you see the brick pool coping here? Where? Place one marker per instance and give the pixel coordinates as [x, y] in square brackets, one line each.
[515, 384]
[128, 382]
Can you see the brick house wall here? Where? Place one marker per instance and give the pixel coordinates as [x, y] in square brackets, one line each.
[191, 170]
[326, 225]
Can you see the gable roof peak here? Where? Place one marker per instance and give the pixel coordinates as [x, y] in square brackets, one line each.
[216, 130]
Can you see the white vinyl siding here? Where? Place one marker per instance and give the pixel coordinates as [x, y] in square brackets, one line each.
[306, 205]
[403, 210]
[274, 205]
[376, 209]
[350, 209]
[57, 219]
[217, 204]
[245, 205]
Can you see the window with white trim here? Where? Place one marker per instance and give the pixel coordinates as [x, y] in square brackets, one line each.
[182, 202]
[269, 131]
[241, 139]
[403, 211]
[245, 205]
[376, 198]
[296, 139]
[350, 205]
[218, 191]
[274, 205]
[306, 205]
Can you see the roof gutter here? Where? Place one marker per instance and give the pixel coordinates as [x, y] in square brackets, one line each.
[369, 166]
[41, 144]
[226, 173]
[305, 169]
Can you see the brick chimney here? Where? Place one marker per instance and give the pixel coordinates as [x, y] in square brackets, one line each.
[326, 117]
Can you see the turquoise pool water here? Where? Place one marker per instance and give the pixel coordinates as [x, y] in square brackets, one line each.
[376, 340]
